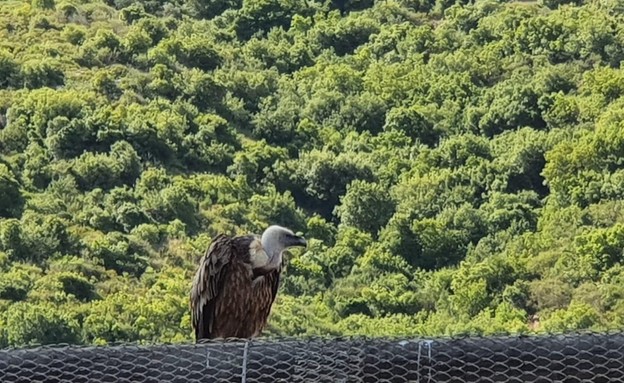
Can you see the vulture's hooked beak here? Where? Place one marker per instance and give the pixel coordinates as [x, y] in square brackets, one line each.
[298, 240]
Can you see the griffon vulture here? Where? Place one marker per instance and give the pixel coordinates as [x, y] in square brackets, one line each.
[236, 283]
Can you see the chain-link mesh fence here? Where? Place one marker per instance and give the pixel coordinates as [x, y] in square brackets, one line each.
[554, 358]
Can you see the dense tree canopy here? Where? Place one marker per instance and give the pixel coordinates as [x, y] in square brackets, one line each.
[456, 166]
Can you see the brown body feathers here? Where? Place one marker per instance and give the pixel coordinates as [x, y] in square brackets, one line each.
[229, 299]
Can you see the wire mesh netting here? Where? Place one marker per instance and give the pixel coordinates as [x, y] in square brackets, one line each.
[587, 357]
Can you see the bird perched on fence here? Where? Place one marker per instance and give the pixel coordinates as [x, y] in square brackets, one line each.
[236, 283]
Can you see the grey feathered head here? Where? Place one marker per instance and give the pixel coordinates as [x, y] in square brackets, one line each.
[276, 239]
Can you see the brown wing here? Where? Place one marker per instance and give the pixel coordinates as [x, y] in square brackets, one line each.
[273, 281]
[207, 285]
[265, 291]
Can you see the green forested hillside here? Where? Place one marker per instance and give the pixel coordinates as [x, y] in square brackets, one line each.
[457, 168]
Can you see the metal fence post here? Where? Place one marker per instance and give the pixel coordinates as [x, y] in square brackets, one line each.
[244, 371]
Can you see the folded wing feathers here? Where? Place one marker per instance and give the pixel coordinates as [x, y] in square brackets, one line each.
[206, 281]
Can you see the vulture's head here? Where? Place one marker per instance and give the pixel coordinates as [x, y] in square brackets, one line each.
[276, 239]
